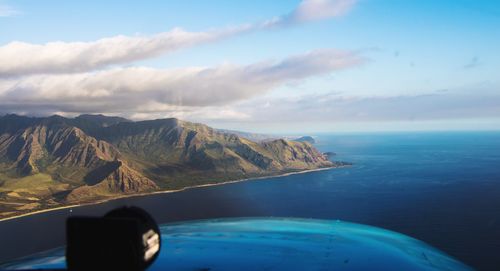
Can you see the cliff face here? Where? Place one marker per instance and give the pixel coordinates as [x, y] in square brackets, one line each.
[117, 179]
[168, 149]
[293, 154]
[43, 146]
[93, 157]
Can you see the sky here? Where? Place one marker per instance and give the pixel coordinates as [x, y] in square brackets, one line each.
[298, 66]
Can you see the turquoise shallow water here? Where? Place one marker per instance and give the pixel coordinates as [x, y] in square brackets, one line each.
[441, 188]
[281, 244]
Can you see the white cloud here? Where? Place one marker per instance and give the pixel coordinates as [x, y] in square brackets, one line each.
[468, 102]
[203, 114]
[20, 58]
[136, 89]
[85, 77]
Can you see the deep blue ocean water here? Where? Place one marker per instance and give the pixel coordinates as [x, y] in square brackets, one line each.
[441, 188]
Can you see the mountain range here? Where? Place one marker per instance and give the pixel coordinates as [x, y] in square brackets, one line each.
[54, 161]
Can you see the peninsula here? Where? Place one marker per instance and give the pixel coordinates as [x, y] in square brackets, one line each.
[55, 161]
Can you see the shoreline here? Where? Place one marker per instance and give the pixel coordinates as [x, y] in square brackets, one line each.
[171, 191]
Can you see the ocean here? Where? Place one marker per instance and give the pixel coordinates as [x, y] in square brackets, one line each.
[442, 188]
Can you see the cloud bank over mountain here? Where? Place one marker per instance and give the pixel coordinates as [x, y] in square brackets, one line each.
[96, 76]
[126, 89]
[108, 75]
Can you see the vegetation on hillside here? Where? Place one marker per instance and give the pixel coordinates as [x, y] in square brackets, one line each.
[54, 161]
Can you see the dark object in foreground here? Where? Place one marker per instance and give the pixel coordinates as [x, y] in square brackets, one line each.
[124, 239]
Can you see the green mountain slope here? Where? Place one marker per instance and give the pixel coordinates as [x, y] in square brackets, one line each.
[91, 157]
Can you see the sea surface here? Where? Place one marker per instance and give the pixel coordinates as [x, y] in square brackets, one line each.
[441, 188]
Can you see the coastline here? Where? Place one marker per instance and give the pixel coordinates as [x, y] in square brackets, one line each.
[172, 191]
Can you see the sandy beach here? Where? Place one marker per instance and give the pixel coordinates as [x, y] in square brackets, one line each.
[170, 191]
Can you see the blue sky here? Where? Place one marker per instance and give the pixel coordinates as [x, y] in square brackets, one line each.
[398, 59]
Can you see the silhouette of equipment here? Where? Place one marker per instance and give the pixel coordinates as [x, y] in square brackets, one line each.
[126, 238]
